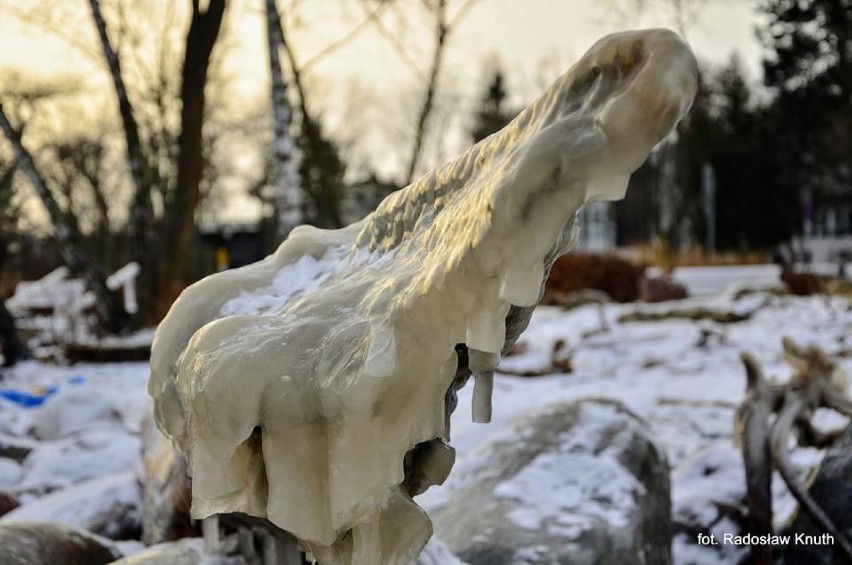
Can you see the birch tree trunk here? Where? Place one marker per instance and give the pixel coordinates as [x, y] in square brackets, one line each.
[110, 311]
[321, 168]
[200, 40]
[288, 197]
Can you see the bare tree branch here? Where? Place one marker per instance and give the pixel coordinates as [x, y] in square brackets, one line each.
[110, 311]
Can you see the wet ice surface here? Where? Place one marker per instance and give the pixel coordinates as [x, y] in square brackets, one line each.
[687, 393]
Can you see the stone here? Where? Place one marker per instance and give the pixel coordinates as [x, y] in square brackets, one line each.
[578, 483]
[108, 505]
[73, 410]
[31, 543]
[832, 490]
[7, 503]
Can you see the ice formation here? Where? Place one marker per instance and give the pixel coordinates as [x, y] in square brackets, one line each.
[314, 388]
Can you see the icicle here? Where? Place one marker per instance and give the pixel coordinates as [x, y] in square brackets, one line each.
[482, 365]
[210, 531]
[522, 286]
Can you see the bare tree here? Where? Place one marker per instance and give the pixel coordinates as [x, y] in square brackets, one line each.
[110, 310]
[200, 40]
[285, 174]
[142, 212]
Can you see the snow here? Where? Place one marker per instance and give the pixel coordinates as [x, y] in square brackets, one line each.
[686, 392]
[84, 504]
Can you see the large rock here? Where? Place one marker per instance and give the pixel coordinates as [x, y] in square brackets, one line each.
[578, 483]
[109, 506]
[31, 543]
[73, 410]
[74, 459]
[832, 490]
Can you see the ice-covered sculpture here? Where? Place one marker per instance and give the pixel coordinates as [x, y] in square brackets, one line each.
[313, 388]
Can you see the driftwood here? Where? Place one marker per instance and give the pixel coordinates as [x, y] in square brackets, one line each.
[700, 313]
[818, 383]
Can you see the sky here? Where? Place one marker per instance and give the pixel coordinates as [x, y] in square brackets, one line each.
[367, 92]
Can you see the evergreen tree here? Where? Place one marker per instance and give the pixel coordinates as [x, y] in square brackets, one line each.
[492, 115]
[808, 64]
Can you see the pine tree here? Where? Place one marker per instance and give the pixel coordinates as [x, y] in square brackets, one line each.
[809, 66]
[492, 115]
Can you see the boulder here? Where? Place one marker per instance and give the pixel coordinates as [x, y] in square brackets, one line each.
[74, 459]
[577, 483]
[109, 506]
[7, 503]
[73, 410]
[709, 497]
[28, 543]
[832, 490]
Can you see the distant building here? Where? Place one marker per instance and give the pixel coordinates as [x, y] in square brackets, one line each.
[598, 228]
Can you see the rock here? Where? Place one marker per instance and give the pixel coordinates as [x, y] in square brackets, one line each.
[73, 410]
[183, 552]
[16, 448]
[577, 483]
[167, 489]
[832, 490]
[30, 543]
[708, 497]
[7, 503]
[437, 553]
[10, 472]
[72, 460]
[109, 506]
[661, 289]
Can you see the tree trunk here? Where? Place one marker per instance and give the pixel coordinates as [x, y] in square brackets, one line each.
[288, 197]
[143, 242]
[429, 101]
[110, 310]
[200, 40]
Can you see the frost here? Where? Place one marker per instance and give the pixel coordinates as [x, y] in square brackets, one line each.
[300, 386]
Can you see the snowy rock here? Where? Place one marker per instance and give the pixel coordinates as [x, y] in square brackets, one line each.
[183, 552]
[832, 490]
[16, 448]
[109, 506]
[75, 459]
[708, 497]
[437, 553]
[7, 503]
[10, 472]
[576, 483]
[30, 543]
[73, 410]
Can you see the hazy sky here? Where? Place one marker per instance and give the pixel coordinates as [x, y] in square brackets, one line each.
[367, 83]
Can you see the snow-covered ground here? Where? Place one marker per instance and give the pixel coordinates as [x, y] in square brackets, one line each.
[683, 376]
